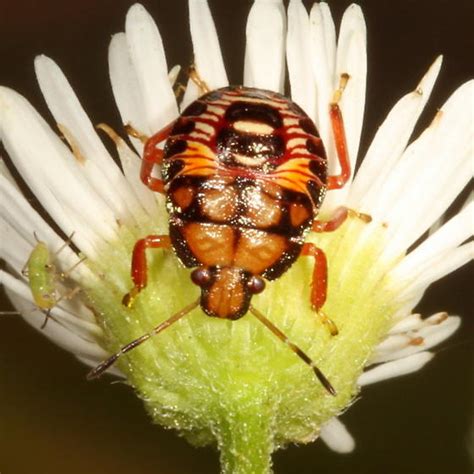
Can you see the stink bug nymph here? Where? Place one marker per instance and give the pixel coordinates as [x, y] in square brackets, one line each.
[244, 172]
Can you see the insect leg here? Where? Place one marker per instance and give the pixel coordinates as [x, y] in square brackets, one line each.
[65, 244]
[337, 122]
[319, 284]
[139, 271]
[47, 317]
[302, 355]
[67, 272]
[339, 217]
[152, 155]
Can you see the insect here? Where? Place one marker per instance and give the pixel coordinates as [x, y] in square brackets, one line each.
[43, 278]
[244, 172]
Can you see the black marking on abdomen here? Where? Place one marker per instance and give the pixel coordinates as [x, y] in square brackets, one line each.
[231, 141]
[316, 192]
[315, 147]
[248, 111]
[319, 169]
[171, 168]
[308, 126]
[183, 127]
[196, 108]
[174, 147]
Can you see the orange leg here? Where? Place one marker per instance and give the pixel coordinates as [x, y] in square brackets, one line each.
[339, 217]
[139, 270]
[152, 156]
[338, 181]
[319, 283]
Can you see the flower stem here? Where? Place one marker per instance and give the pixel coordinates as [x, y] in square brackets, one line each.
[245, 439]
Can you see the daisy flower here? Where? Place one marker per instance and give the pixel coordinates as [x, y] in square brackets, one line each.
[224, 383]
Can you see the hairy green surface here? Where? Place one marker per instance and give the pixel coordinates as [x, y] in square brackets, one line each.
[233, 382]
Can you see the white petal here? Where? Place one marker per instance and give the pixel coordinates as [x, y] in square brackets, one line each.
[447, 237]
[61, 336]
[131, 165]
[101, 171]
[436, 269]
[14, 248]
[53, 174]
[323, 60]
[5, 173]
[336, 437]
[298, 55]
[395, 185]
[23, 218]
[415, 321]
[402, 345]
[265, 50]
[126, 88]
[173, 74]
[395, 368]
[148, 58]
[207, 52]
[211, 69]
[352, 59]
[440, 173]
[389, 143]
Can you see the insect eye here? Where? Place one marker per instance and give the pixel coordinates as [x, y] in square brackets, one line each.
[256, 285]
[201, 277]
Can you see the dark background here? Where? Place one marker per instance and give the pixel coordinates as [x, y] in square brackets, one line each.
[52, 421]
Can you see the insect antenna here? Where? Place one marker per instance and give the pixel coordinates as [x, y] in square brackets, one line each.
[99, 370]
[321, 377]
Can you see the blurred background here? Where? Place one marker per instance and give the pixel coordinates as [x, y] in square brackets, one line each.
[53, 421]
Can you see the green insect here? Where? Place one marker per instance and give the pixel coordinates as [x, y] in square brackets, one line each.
[43, 278]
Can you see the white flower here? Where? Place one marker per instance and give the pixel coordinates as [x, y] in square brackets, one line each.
[90, 199]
